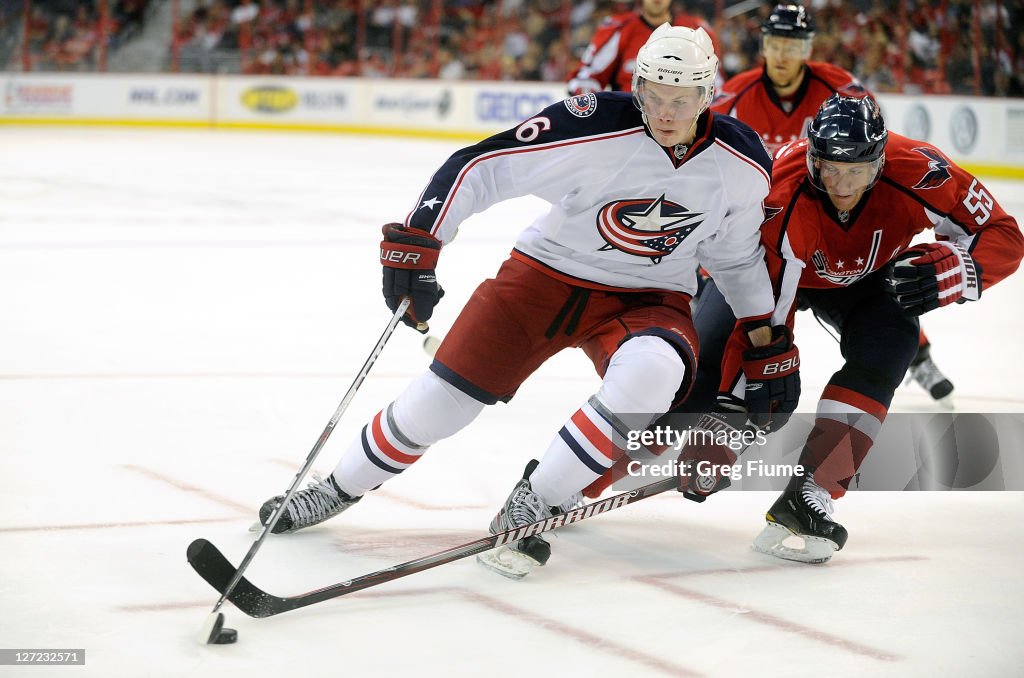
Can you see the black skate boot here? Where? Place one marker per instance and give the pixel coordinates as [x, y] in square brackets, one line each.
[521, 508]
[804, 510]
[323, 499]
[924, 371]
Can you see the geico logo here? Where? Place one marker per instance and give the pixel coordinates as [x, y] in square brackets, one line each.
[269, 99]
[502, 106]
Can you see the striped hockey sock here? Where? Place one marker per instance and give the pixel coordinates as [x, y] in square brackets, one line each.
[581, 452]
[379, 454]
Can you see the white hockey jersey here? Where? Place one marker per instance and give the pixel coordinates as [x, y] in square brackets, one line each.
[627, 214]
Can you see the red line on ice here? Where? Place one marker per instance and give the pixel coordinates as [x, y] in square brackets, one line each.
[185, 487]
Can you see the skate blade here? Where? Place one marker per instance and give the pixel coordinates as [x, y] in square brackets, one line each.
[946, 402]
[256, 527]
[507, 562]
[814, 550]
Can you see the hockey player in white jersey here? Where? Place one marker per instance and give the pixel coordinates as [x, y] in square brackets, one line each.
[642, 187]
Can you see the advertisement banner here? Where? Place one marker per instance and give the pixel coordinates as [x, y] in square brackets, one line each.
[985, 135]
[27, 96]
[967, 129]
[416, 104]
[107, 97]
[285, 101]
[500, 106]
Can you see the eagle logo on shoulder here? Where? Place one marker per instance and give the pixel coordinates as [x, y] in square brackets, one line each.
[938, 170]
[646, 227]
[770, 213]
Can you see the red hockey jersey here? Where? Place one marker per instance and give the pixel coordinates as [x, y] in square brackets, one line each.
[611, 56]
[750, 97]
[807, 245]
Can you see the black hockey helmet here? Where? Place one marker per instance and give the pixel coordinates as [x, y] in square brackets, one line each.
[789, 21]
[846, 129]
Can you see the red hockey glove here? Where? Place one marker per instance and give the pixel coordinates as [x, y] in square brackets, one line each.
[925, 277]
[705, 464]
[409, 257]
[773, 380]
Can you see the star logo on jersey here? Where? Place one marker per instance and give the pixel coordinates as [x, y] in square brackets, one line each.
[938, 170]
[430, 204]
[839, 274]
[646, 227]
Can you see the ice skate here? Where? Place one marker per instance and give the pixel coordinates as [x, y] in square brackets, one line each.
[323, 499]
[924, 371]
[803, 512]
[573, 502]
[521, 508]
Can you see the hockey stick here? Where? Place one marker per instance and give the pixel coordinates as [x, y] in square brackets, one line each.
[211, 630]
[212, 566]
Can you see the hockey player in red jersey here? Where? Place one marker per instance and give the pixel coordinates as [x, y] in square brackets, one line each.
[778, 100]
[642, 187]
[608, 62]
[845, 204]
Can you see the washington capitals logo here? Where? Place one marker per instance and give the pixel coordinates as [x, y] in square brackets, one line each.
[646, 227]
[938, 169]
[847, 272]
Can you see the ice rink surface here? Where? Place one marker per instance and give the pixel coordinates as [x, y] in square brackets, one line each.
[181, 313]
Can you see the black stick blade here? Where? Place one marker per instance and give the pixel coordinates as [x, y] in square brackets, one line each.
[207, 560]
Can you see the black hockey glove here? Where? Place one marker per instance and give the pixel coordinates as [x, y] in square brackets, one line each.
[925, 277]
[409, 257]
[773, 380]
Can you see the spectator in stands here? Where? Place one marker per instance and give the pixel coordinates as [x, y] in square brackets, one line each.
[532, 37]
[609, 59]
[879, 77]
[452, 67]
[127, 17]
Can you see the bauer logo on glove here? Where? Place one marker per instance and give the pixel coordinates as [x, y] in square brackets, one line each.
[773, 380]
[409, 257]
[929, 276]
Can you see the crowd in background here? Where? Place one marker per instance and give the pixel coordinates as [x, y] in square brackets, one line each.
[529, 39]
[69, 34]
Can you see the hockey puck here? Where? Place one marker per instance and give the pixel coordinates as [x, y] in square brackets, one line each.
[226, 637]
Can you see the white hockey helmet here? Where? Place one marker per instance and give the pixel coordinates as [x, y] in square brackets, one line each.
[676, 56]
